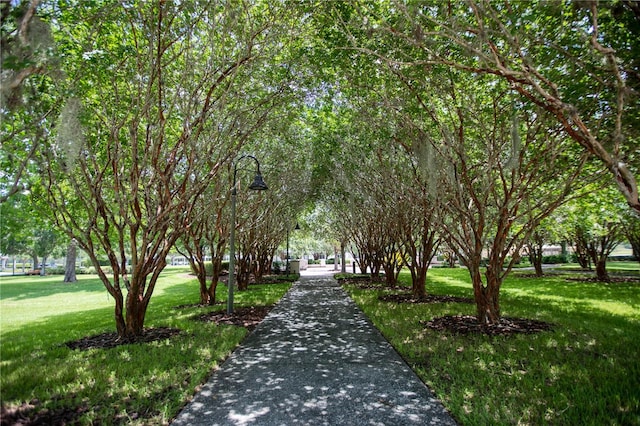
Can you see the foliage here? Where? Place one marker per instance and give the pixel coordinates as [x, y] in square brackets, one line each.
[594, 226]
[30, 66]
[576, 61]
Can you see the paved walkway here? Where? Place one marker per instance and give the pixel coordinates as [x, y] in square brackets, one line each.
[314, 360]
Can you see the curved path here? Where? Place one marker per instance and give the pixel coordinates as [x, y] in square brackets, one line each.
[314, 360]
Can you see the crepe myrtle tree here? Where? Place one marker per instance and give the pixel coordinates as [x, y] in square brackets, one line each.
[545, 233]
[596, 228]
[207, 234]
[504, 168]
[164, 96]
[631, 230]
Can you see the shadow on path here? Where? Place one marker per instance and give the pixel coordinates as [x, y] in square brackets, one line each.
[314, 360]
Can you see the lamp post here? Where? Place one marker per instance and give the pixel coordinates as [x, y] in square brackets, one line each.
[257, 185]
[287, 255]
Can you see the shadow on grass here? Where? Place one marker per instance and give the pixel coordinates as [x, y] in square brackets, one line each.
[145, 382]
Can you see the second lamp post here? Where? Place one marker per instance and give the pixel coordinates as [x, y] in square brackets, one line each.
[287, 271]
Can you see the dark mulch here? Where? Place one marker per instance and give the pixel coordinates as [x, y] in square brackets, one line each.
[111, 340]
[612, 280]
[248, 317]
[196, 305]
[409, 298]
[370, 285]
[468, 324]
[30, 413]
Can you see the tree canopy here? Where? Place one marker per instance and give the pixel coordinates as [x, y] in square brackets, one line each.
[416, 123]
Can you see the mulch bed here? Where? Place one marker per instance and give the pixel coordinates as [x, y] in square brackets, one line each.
[244, 317]
[30, 414]
[111, 340]
[248, 317]
[612, 280]
[408, 298]
[468, 324]
[196, 305]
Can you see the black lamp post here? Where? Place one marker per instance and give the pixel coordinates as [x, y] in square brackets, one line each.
[257, 185]
[287, 255]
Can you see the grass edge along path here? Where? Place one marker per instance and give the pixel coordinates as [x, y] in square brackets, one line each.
[585, 371]
[141, 383]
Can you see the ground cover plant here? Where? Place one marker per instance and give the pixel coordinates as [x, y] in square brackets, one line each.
[44, 380]
[584, 370]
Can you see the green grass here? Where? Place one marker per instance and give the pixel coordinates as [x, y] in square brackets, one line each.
[586, 371]
[130, 384]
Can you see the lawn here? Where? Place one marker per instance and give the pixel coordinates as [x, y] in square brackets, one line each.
[129, 384]
[585, 371]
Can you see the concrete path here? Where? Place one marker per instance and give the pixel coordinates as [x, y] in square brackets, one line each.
[314, 360]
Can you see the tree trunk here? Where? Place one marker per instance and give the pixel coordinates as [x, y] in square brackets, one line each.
[419, 282]
[581, 249]
[216, 263]
[70, 263]
[535, 256]
[391, 269]
[202, 284]
[243, 272]
[487, 297]
[601, 270]
[121, 325]
[200, 268]
[538, 268]
[135, 313]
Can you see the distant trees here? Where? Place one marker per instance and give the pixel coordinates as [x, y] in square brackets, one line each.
[594, 226]
[543, 234]
[631, 230]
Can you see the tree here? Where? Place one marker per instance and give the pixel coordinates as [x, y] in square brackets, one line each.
[187, 86]
[597, 228]
[17, 221]
[420, 240]
[503, 169]
[207, 234]
[631, 229]
[45, 241]
[501, 163]
[543, 234]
